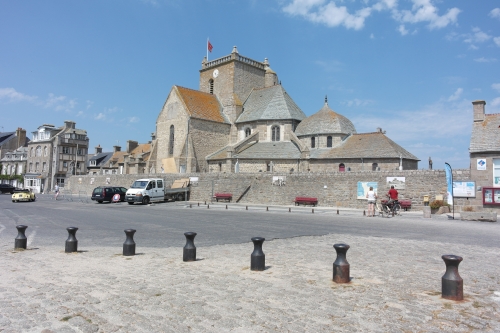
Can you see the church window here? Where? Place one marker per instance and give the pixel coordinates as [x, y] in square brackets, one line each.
[329, 141]
[374, 166]
[275, 130]
[248, 131]
[211, 83]
[171, 142]
[313, 142]
[341, 167]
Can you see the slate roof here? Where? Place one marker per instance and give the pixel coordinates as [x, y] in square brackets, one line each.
[271, 103]
[201, 105]
[220, 154]
[325, 121]
[100, 159]
[486, 134]
[364, 145]
[5, 136]
[270, 150]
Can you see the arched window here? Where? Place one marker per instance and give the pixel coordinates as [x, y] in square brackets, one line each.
[171, 142]
[45, 151]
[31, 152]
[341, 167]
[38, 151]
[313, 142]
[211, 83]
[374, 166]
[248, 131]
[329, 141]
[275, 130]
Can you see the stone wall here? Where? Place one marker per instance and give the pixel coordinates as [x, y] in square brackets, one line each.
[207, 137]
[336, 189]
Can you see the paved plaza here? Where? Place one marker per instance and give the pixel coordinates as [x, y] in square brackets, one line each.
[395, 286]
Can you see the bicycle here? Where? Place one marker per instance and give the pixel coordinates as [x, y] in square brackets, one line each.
[391, 208]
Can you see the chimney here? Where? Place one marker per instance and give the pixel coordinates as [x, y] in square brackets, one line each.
[21, 137]
[478, 108]
[131, 145]
[117, 148]
[98, 150]
[69, 124]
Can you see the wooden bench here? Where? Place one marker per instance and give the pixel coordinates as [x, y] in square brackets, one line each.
[306, 200]
[405, 204]
[223, 196]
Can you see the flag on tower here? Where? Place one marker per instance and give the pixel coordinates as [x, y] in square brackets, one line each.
[209, 46]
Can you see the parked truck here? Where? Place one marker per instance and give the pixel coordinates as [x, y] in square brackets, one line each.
[153, 190]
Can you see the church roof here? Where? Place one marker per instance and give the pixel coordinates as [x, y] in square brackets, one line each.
[201, 105]
[364, 145]
[325, 121]
[271, 103]
[485, 134]
[270, 150]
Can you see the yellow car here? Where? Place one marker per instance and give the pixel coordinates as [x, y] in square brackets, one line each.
[23, 195]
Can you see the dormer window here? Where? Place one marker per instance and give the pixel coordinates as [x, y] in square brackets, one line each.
[275, 133]
[248, 131]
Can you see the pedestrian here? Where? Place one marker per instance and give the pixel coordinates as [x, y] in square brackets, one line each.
[56, 191]
[372, 197]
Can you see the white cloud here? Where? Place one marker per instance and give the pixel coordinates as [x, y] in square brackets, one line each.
[496, 86]
[456, 95]
[11, 95]
[133, 119]
[495, 102]
[497, 40]
[329, 14]
[358, 102]
[53, 100]
[483, 59]
[89, 104]
[100, 116]
[425, 11]
[402, 30]
[495, 13]
[477, 36]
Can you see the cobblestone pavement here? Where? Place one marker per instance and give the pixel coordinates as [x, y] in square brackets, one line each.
[395, 287]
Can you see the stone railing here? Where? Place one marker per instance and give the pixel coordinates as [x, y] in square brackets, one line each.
[230, 57]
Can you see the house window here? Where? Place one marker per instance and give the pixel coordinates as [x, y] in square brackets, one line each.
[37, 165]
[31, 152]
[496, 172]
[78, 165]
[80, 151]
[313, 142]
[211, 83]
[248, 131]
[374, 166]
[341, 167]
[45, 151]
[44, 166]
[93, 163]
[65, 164]
[31, 167]
[66, 150]
[171, 142]
[329, 141]
[275, 130]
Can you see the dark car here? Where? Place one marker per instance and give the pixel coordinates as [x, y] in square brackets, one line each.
[106, 193]
[7, 188]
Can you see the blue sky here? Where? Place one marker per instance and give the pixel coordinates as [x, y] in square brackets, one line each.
[411, 67]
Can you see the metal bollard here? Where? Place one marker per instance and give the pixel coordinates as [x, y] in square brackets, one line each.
[190, 206]
[289, 210]
[71, 242]
[226, 206]
[208, 206]
[337, 212]
[452, 285]
[189, 252]
[364, 213]
[198, 204]
[267, 209]
[246, 207]
[258, 258]
[129, 245]
[21, 241]
[341, 267]
[205, 202]
[313, 210]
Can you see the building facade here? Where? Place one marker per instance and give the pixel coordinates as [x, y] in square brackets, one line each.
[55, 153]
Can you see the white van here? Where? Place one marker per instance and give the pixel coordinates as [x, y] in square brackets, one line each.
[146, 190]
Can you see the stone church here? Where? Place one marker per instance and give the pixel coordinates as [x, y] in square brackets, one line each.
[242, 120]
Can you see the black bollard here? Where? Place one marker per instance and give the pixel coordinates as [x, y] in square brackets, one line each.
[313, 210]
[267, 209]
[21, 241]
[189, 253]
[289, 210]
[190, 206]
[452, 285]
[71, 242]
[341, 266]
[129, 245]
[364, 213]
[226, 206]
[246, 208]
[208, 206]
[258, 258]
[198, 204]
[337, 212]
[205, 202]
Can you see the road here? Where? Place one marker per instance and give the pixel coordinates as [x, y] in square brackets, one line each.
[162, 225]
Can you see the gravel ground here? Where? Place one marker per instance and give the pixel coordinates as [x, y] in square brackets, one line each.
[395, 287]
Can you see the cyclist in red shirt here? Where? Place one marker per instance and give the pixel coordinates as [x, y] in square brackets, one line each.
[392, 194]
